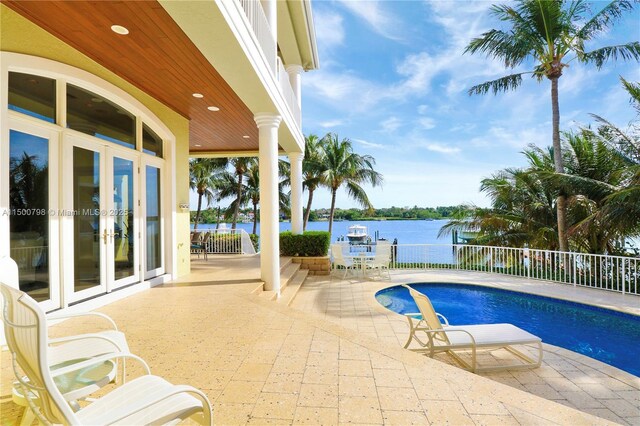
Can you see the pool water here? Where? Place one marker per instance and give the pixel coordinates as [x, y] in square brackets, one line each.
[609, 336]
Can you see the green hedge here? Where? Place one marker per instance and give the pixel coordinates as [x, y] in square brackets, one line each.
[255, 240]
[311, 243]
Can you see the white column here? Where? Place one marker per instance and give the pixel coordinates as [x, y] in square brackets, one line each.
[269, 204]
[296, 192]
[295, 78]
[270, 8]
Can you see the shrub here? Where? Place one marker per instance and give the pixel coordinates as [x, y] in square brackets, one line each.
[255, 239]
[311, 243]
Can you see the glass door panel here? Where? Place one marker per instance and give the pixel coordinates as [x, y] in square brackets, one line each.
[29, 219]
[153, 219]
[88, 230]
[122, 220]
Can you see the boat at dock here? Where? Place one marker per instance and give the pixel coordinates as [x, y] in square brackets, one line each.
[357, 234]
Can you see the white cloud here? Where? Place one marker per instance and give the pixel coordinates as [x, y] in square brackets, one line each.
[340, 89]
[427, 123]
[368, 144]
[332, 33]
[380, 20]
[391, 124]
[331, 123]
[442, 149]
[516, 136]
[423, 109]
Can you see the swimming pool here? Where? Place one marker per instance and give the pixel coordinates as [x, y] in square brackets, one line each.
[609, 336]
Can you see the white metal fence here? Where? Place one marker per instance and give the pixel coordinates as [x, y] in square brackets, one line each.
[227, 241]
[614, 273]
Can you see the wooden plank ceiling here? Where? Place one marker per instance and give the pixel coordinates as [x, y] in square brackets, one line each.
[158, 58]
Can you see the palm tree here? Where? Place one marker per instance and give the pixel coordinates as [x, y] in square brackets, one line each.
[250, 191]
[622, 206]
[522, 210]
[549, 31]
[312, 169]
[240, 166]
[344, 167]
[203, 175]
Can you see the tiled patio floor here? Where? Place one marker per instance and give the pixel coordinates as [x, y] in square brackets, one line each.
[565, 377]
[337, 361]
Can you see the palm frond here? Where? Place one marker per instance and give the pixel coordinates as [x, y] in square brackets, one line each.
[512, 50]
[625, 52]
[502, 84]
[604, 19]
[634, 91]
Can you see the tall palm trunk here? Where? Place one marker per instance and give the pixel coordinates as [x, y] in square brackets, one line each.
[218, 218]
[197, 219]
[333, 208]
[561, 203]
[308, 212]
[236, 210]
[255, 217]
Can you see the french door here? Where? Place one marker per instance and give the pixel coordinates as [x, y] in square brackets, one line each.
[101, 232]
[32, 213]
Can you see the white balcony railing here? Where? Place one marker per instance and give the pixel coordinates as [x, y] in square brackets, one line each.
[614, 273]
[226, 241]
[288, 93]
[262, 30]
[258, 20]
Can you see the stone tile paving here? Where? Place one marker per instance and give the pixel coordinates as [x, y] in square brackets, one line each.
[565, 377]
[262, 363]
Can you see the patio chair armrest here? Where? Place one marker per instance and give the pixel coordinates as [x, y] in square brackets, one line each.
[443, 318]
[86, 336]
[175, 390]
[98, 359]
[447, 330]
[412, 314]
[53, 317]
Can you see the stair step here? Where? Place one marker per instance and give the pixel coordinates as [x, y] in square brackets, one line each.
[259, 288]
[294, 285]
[268, 295]
[284, 262]
[287, 274]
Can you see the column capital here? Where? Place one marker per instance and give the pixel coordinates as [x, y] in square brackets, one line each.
[294, 69]
[295, 156]
[267, 119]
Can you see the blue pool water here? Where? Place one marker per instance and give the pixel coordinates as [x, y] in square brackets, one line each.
[609, 336]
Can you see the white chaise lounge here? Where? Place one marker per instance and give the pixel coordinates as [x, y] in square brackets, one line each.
[451, 339]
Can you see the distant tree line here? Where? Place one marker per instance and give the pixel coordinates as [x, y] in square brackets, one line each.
[210, 215]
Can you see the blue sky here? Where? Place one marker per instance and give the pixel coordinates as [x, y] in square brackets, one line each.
[394, 80]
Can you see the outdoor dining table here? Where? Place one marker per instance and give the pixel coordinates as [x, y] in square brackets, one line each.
[360, 261]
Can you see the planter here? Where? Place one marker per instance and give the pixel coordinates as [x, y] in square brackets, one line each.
[317, 265]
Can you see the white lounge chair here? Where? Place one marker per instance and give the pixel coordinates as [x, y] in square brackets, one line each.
[382, 258]
[68, 350]
[143, 400]
[448, 338]
[339, 260]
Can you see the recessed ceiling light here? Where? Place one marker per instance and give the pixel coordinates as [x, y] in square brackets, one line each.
[197, 145]
[246, 136]
[198, 95]
[213, 108]
[119, 29]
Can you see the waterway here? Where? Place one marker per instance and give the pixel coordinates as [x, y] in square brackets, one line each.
[406, 231]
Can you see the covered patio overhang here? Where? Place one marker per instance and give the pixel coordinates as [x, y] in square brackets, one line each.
[200, 59]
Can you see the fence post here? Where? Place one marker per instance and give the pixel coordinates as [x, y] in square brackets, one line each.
[624, 277]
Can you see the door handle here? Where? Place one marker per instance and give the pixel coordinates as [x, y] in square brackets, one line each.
[106, 234]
